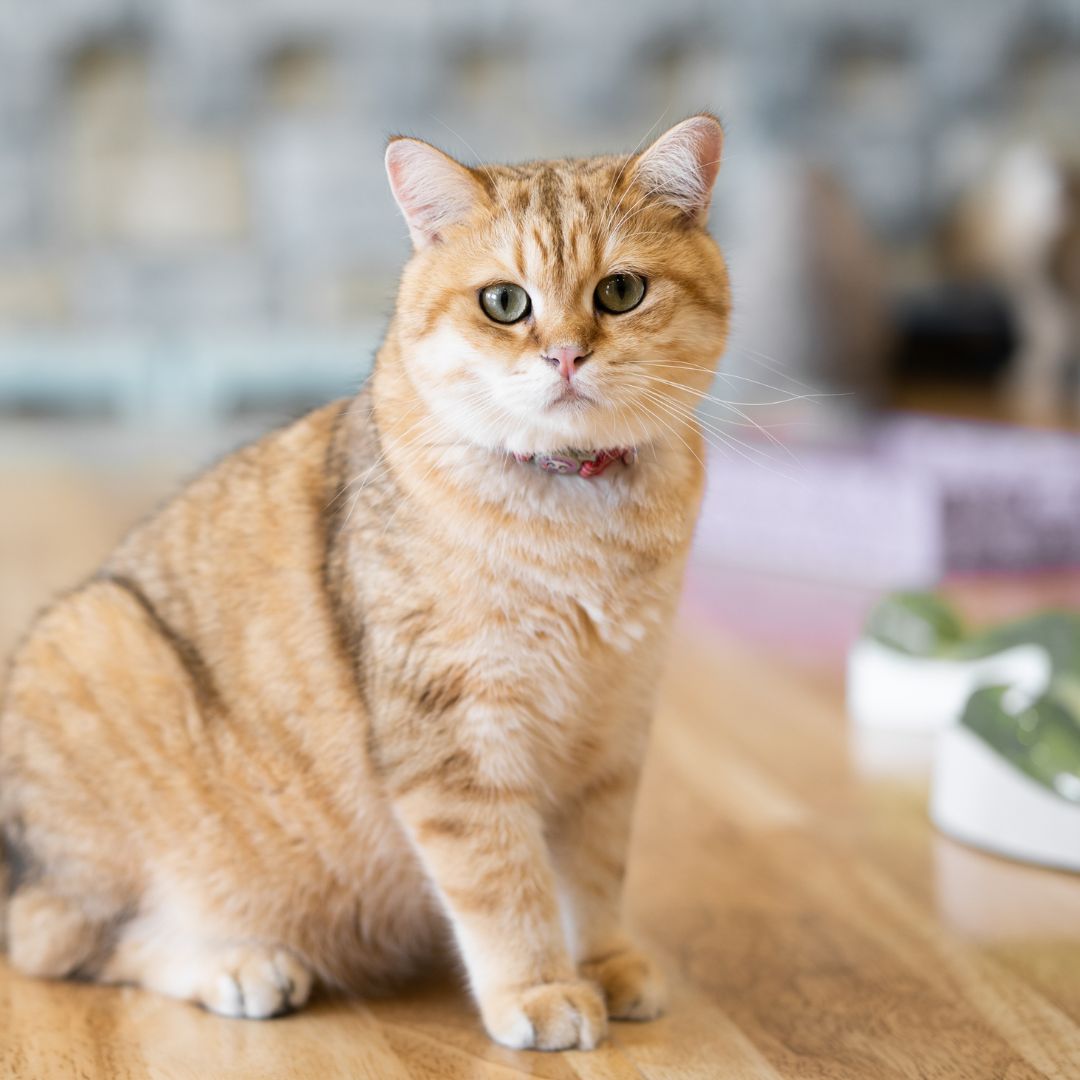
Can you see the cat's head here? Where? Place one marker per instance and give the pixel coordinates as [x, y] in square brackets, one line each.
[574, 303]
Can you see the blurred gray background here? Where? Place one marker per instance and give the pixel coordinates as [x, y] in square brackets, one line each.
[197, 242]
[195, 224]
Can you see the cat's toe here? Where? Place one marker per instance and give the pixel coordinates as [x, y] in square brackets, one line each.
[257, 984]
[550, 1016]
[634, 988]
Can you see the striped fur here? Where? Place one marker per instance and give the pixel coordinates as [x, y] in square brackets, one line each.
[370, 689]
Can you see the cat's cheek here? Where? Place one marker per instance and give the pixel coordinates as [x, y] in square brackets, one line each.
[455, 382]
[441, 355]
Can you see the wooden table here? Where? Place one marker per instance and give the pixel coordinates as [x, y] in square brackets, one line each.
[812, 922]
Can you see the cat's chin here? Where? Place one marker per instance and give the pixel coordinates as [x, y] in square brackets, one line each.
[554, 444]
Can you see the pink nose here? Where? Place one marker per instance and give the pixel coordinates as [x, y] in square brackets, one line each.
[567, 358]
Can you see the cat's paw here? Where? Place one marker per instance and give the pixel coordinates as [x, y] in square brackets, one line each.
[256, 982]
[633, 987]
[549, 1016]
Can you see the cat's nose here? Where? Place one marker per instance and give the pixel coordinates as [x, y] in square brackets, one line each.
[567, 358]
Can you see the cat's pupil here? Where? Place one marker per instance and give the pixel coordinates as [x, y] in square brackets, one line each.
[504, 299]
[620, 286]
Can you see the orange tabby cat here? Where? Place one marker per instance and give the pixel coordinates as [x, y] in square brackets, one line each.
[384, 678]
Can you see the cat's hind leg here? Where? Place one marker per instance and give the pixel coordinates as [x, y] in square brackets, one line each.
[107, 771]
[51, 936]
[77, 776]
[250, 980]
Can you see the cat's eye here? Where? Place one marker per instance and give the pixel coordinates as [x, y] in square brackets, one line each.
[619, 292]
[505, 303]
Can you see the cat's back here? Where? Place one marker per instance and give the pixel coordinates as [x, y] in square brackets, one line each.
[256, 509]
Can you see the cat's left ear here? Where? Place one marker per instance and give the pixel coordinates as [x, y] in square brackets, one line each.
[431, 188]
[681, 166]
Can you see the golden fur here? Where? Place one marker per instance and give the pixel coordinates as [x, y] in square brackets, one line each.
[371, 683]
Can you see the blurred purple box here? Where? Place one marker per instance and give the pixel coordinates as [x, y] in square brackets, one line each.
[901, 504]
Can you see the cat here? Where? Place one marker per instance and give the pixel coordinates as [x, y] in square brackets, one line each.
[377, 688]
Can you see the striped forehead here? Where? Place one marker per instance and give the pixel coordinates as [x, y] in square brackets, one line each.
[554, 223]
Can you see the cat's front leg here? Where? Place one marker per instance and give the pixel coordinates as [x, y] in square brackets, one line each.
[589, 847]
[484, 849]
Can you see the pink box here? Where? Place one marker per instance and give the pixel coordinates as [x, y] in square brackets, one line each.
[902, 503]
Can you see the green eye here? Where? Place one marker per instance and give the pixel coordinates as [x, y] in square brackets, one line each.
[505, 303]
[619, 292]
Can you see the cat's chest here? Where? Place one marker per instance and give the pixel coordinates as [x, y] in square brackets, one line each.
[538, 668]
[558, 654]
[594, 621]
[557, 691]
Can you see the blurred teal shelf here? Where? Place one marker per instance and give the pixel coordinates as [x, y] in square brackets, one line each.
[181, 377]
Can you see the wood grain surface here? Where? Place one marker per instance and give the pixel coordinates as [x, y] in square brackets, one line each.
[811, 921]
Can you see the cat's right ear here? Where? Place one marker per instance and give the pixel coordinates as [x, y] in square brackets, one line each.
[431, 188]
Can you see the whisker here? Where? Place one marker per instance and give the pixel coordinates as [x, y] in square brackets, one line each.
[644, 203]
[659, 419]
[730, 442]
[729, 375]
[470, 399]
[748, 421]
[348, 483]
[479, 162]
[461, 441]
[770, 364]
[739, 412]
[635, 210]
[719, 432]
[622, 168]
[405, 447]
[727, 402]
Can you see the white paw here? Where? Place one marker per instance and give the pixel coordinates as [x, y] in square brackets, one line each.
[551, 1016]
[256, 983]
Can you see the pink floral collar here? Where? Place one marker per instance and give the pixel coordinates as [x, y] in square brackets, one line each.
[586, 463]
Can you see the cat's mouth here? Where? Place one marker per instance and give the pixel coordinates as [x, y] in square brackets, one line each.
[570, 397]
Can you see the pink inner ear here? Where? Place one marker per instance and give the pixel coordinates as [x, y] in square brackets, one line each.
[710, 145]
[682, 164]
[418, 211]
[432, 190]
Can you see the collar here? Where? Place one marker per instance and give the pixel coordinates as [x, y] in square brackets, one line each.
[586, 463]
